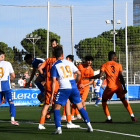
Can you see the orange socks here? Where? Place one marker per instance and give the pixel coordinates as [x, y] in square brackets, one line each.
[105, 108]
[127, 106]
[64, 111]
[68, 118]
[42, 120]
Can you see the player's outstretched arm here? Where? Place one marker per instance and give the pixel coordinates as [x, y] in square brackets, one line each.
[78, 76]
[12, 76]
[96, 76]
[40, 68]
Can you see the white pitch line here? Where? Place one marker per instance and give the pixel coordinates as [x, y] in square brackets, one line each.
[86, 128]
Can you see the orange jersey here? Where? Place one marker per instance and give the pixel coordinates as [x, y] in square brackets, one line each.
[112, 69]
[84, 73]
[47, 64]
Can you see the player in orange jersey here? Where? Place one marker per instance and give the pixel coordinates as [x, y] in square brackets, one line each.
[83, 84]
[115, 81]
[2, 101]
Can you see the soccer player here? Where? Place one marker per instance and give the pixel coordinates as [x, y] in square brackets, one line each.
[63, 71]
[83, 84]
[35, 62]
[6, 75]
[115, 81]
[21, 82]
[67, 106]
[97, 84]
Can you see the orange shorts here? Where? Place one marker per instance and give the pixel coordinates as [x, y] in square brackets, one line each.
[108, 92]
[48, 96]
[84, 93]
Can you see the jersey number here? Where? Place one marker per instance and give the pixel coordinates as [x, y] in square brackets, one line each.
[113, 69]
[1, 72]
[66, 71]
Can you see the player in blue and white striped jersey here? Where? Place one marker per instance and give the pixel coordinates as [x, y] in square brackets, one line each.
[63, 70]
[6, 75]
[35, 62]
[97, 84]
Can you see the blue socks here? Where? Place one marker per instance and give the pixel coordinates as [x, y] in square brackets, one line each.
[57, 118]
[12, 110]
[84, 114]
[97, 101]
[41, 87]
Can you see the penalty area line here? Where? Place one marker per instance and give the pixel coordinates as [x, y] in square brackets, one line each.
[125, 134]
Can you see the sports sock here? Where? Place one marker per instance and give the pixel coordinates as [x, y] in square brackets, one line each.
[41, 87]
[76, 111]
[68, 118]
[64, 110]
[42, 120]
[84, 114]
[97, 101]
[57, 118]
[12, 110]
[127, 106]
[105, 108]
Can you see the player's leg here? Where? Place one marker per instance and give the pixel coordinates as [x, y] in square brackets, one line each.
[84, 95]
[74, 110]
[64, 113]
[107, 94]
[44, 110]
[8, 97]
[121, 95]
[38, 81]
[98, 95]
[61, 99]
[76, 99]
[68, 114]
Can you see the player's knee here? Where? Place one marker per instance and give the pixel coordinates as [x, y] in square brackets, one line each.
[104, 100]
[122, 99]
[11, 103]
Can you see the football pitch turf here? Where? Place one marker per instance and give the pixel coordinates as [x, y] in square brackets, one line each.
[122, 127]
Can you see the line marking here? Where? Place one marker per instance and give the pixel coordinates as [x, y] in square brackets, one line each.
[125, 134]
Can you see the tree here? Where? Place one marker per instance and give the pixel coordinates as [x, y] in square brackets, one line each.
[98, 47]
[41, 44]
[9, 53]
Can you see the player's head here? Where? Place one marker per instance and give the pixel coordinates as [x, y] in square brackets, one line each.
[112, 56]
[54, 42]
[20, 77]
[28, 59]
[58, 51]
[88, 60]
[2, 55]
[70, 58]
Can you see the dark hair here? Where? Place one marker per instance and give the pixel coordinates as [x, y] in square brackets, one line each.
[52, 40]
[111, 55]
[28, 56]
[88, 58]
[58, 51]
[70, 57]
[2, 52]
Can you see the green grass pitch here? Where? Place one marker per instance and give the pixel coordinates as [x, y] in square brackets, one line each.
[28, 118]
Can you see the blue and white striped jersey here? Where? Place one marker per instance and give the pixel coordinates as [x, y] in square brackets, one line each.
[5, 70]
[98, 84]
[63, 70]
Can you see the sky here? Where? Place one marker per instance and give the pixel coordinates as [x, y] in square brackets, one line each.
[88, 19]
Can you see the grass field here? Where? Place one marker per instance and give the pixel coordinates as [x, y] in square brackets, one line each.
[28, 118]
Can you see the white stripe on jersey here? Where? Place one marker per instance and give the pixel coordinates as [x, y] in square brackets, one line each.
[5, 70]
